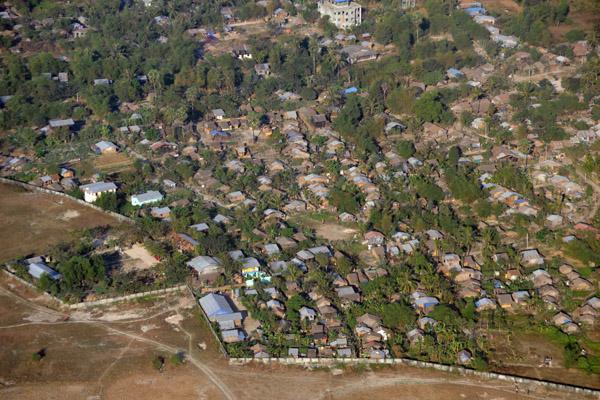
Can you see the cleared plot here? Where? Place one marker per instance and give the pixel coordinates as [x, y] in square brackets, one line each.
[112, 161]
[31, 221]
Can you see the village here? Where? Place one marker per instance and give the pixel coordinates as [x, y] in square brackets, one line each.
[407, 210]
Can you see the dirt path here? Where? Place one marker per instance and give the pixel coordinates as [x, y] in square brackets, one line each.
[201, 366]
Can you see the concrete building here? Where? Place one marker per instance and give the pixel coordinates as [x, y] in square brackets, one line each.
[92, 191]
[342, 13]
[146, 198]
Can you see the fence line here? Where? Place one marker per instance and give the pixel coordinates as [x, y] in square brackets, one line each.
[120, 217]
[422, 364]
[221, 347]
[94, 303]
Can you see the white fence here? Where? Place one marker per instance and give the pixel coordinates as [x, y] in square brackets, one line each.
[101, 302]
[332, 362]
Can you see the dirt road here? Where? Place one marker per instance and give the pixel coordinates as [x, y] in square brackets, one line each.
[120, 375]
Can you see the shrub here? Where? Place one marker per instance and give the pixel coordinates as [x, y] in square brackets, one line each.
[36, 356]
[158, 362]
[176, 359]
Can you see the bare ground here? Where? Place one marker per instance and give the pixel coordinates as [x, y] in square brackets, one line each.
[31, 221]
[92, 358]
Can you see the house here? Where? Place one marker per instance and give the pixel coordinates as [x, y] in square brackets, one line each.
[425, 304]
[374, 238]
[59, 123]
[505, 300]
[219, 136]
[561, 318]
[233, 335]
[342, 13]
[38, 269]
[347, 217]
[355, 54]
[415, 336]
[215, 304]
[262, 70]
[271, 249]
[464, 357]
[146, 198]
[307, 314]
[219, 114]
[160, 212]
[485, 304]
[105, 147]
[242, 52]
[426, 323]
[169, 183]
[207, 268]
[92, 191]
[532, 257]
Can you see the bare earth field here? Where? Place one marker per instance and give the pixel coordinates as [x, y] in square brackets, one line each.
[31, 221]
[112, 161]
[106, 353]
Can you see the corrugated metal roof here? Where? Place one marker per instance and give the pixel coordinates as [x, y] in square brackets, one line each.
[215, 304]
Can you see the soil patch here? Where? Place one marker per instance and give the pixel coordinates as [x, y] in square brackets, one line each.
[31, 221]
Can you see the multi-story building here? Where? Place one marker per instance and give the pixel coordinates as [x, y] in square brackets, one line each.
[342, 13]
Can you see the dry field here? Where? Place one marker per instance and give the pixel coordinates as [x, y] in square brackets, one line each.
[112, 161]
[31, 221]
[106, 353]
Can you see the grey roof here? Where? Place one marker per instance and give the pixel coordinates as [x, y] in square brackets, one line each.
[161, 210]
[229, 317]
[250, 262]
[204, 264]
[37, 269]
[233, 333]
[215, 304]
[188, 239]
[56, 123]
[104, 144]
[199, 227]
[321, 250]
[345, 352]
[345, 291]
[271, 248]
[425, 301]
[98, 187]
[152, 195]
[236, 255]
[226, 325]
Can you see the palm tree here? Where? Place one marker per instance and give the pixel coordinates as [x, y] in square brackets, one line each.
[293, 273]
[153, 76]
[313, 48]
[276, 201]
[405, 281]
[489, 237]
[466, 238]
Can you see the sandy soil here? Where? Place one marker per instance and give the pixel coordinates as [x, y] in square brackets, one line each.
[331, 231]
[140, 257]
[31, 221]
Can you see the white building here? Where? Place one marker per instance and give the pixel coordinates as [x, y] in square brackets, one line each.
[342, 13]
[92, 191]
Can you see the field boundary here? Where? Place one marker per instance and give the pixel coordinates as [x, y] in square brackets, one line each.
[331, 362]
[120, 217]
[196, 300]
[94, 303]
